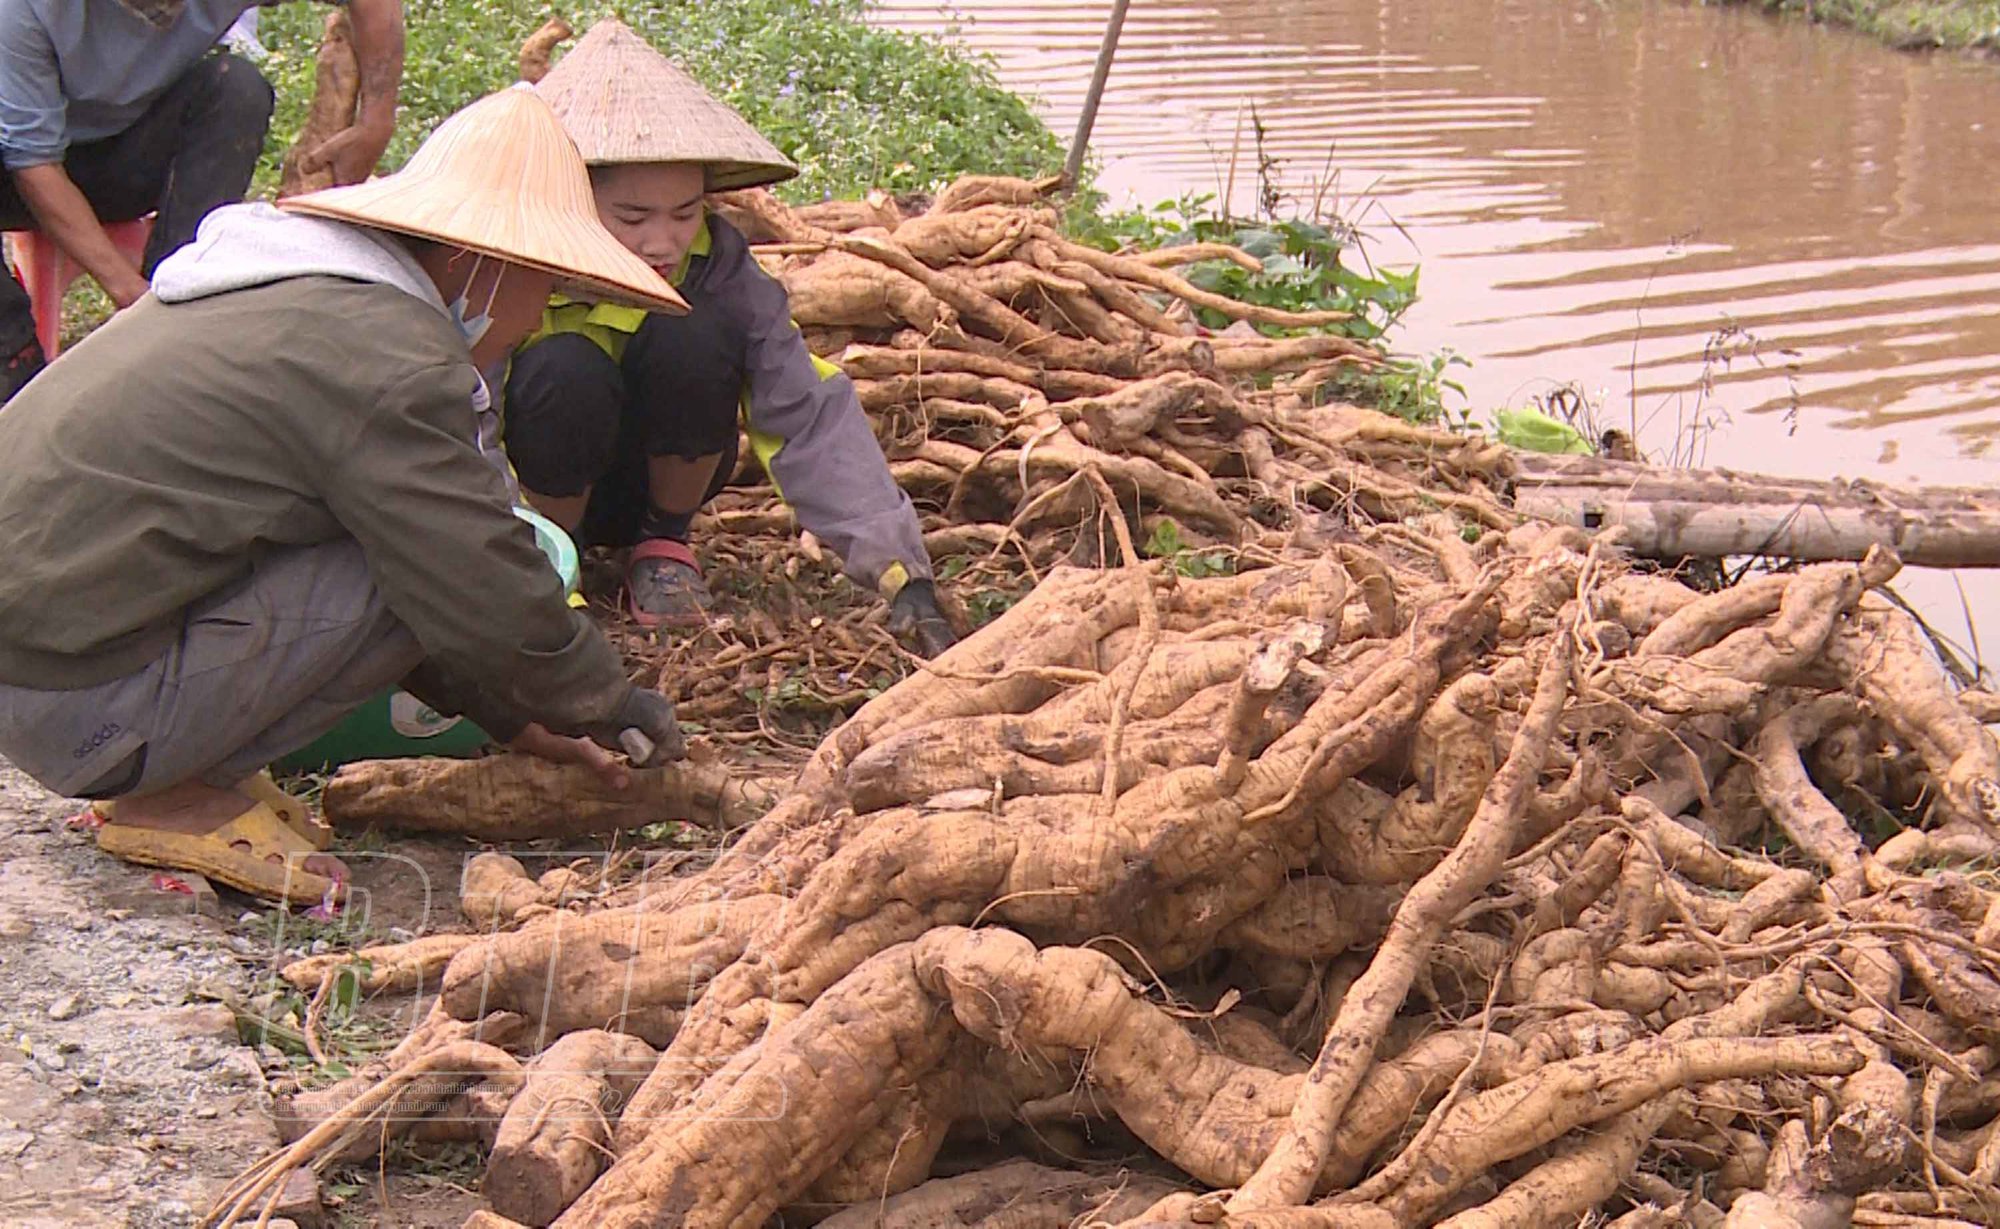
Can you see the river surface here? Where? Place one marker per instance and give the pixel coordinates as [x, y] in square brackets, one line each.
[1765, 244]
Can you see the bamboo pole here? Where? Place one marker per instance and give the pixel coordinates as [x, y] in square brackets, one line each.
[1098, 76]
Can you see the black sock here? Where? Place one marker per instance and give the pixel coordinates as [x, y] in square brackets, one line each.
[659, 523]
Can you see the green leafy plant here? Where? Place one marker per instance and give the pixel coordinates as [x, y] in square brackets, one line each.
[986, 605]
[795, 693]
[282, 925]
[678, 833]
[855, 105]
[1165, 543]
[1417, 389]
[1535, 430]
[1303, 267]
[275, 1016]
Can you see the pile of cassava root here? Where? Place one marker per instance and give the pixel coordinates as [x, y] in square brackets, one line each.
[1012, 376]
[1409, 875]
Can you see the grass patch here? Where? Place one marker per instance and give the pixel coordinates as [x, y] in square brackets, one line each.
[855, 106]
[1909, 24]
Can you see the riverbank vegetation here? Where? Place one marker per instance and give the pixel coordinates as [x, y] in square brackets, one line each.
[862, 109]
[865, 110]
[856, 106]
[1910, 24]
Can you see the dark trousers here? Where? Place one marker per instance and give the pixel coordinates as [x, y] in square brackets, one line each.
[193, 150]
[575, 420]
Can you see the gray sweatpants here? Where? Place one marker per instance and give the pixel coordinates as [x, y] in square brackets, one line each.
[260, 670]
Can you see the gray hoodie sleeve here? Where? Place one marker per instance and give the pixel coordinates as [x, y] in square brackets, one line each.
[809, 430]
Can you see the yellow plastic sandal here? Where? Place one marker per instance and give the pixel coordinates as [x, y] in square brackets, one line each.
[238, 853]
[296, 812]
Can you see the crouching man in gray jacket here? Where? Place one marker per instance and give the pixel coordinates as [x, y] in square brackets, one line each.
[256, 499]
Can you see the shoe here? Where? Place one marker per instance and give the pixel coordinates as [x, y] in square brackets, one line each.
[295, 812]
[663, 586]
[255, 853]
[20, 369]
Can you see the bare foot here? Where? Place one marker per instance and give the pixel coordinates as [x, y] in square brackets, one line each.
[191, 807]
[198, 809]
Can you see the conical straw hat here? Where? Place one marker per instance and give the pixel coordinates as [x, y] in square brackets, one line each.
[501, 178]
[622, 101]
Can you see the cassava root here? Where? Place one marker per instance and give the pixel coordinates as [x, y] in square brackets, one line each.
[1359, 856]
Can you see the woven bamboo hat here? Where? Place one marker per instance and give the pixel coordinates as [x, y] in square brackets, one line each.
[502, 179]
[622, 101]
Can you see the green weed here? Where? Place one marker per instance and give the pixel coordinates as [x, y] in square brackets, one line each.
[1303, 267]
[986, 605]
[275, 1016]
[1910, 24]
[281, 926]
[795, 693]
[1418, 389]
[677, 833]
[1165, 543]
[856, 106]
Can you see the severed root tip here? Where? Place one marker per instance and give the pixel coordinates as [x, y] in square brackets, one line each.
[1813, 1185]
[1983, 794]
[535, 51]
[494, 888]
[1984, 705]
[1266, 672]
[1879, 566]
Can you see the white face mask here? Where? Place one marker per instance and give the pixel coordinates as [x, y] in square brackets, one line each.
[474, 327]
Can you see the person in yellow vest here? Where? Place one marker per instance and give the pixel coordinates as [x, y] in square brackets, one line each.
[621, 424]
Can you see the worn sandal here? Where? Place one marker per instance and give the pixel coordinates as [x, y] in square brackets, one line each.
[239, 854]
[296, 812]
[663, 585]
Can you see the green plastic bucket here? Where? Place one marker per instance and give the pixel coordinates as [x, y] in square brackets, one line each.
[396, 723]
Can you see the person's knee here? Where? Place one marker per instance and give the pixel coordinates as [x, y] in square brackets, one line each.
[688, 379]
[240, 99]
[564, 400]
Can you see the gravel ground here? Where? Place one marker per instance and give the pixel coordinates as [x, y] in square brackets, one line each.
[125, 1098]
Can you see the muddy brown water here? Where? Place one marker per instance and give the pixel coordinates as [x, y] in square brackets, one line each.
[1768, 245]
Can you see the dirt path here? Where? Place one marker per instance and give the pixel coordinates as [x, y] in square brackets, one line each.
[126, 1098]
[126, 1095]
